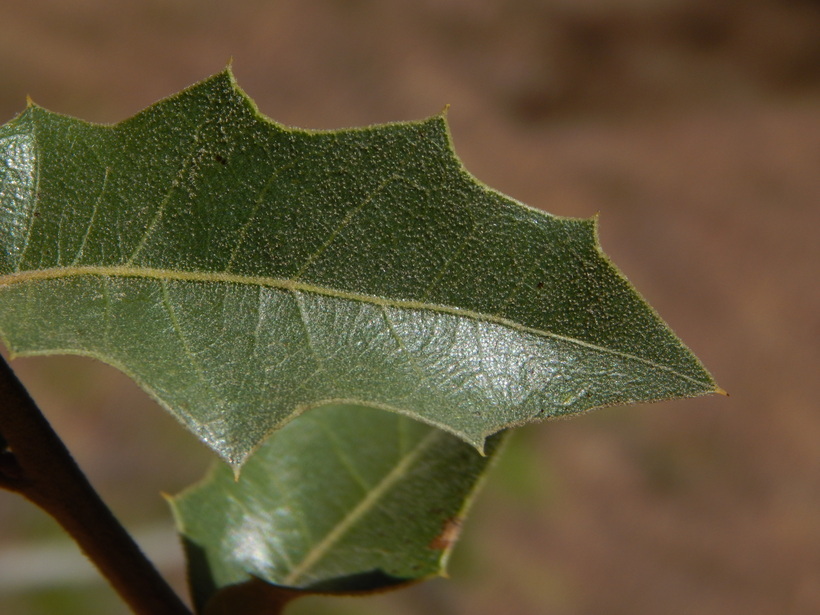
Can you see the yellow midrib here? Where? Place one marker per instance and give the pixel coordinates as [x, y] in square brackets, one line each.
[120, 271]
[367, 503]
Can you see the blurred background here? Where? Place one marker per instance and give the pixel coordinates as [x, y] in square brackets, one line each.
[692, 126]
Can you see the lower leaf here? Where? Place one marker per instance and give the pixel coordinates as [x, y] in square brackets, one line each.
[344, 499]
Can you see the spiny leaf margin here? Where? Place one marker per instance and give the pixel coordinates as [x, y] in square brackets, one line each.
[525, 316]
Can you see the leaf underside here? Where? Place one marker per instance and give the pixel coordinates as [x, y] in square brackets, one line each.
[243, 272]
[377, 502]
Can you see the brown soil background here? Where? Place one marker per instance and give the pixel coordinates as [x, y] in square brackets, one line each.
[693, 127]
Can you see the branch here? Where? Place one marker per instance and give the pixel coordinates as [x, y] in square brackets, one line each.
[40, 468]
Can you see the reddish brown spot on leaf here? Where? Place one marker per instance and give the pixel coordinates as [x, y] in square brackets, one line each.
[449, 534]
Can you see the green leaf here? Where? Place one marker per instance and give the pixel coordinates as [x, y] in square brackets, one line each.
[243, 272]
[345, 498]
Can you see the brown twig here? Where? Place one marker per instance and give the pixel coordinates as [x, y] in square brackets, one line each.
[39, 467]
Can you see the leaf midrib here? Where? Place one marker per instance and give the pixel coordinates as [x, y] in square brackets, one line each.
[165, 275]
[321, 548]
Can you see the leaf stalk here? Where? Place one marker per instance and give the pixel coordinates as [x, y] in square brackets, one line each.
[39, 467]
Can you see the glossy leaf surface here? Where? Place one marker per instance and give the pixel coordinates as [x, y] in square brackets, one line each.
[243, 272]
[345, 498]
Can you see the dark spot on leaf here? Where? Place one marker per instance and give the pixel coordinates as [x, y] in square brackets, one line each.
[540, 285]
[221, 160]
[448, 535]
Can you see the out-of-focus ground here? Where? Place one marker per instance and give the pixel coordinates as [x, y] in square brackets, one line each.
[692, 126]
